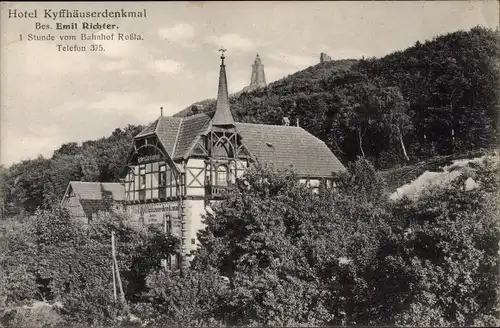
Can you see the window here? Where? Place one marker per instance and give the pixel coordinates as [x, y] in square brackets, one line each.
[222, 175]
[207, 174]
[142, 194]
[193, 241]
[162, 176]
[168, 224]
[176, 262]
[142, 178]
[232, 170]
[168, 177]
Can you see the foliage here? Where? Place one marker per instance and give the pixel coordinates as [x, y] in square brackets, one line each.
[41, 182]
[346, 256]
[55, 258]
[39, 314]
[352, 257]
[435, 98]
[191, 299]
[292, 256]
[450, 244]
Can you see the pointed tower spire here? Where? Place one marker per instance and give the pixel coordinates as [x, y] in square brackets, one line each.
[223, 115]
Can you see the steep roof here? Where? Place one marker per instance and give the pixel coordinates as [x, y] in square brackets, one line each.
[283, 146]
[177, 134]
[98, 190]
[150, 129]
[95, 197]
[167, 131]
[289, 147]
[191, 128]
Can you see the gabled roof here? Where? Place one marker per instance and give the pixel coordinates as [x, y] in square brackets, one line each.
[289, 147]
[191, 128]
[95, 197]
[283, 146]
[167, 130]
[98, 190]
[177, 134]
[150, 129]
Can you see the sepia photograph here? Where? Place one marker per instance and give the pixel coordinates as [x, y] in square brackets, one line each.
[249, 163]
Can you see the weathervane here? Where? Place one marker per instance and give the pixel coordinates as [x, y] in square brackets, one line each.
[222, 50]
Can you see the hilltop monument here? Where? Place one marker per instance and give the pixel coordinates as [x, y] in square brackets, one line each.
[324, 58]
[258, 78]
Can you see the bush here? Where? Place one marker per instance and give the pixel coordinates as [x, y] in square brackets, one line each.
[39, 314]
[56, 258]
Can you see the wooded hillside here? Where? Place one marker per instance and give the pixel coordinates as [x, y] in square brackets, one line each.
[439, 97]
[435, 98]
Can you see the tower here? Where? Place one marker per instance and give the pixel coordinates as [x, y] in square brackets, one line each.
[324, 58]
[224, 145]
[258, 77]
[223, 116]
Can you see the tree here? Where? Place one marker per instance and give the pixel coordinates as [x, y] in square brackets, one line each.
[448, 247]
[292, 257]
[53, 257]
[394, 112]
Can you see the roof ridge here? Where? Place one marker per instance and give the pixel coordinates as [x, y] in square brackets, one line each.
[140, 133]
[157, 124]
[179, 128]
[262, 124]
[193, 116]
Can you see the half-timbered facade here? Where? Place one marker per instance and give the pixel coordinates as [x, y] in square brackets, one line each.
[178, 166]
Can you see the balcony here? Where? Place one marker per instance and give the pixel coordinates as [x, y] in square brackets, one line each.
[215, 191]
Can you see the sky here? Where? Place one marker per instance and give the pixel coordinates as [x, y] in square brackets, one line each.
[50, 97]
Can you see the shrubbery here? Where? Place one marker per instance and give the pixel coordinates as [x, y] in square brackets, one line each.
[348, 256]
[51, 257]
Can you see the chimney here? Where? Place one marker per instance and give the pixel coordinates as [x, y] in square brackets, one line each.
[286, 121]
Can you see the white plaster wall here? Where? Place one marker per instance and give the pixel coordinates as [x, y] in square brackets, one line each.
[196, 162]
[194, 211]
[195, 167]
[195, 191]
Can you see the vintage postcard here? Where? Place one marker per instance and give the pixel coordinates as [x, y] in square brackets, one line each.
[281, 163]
